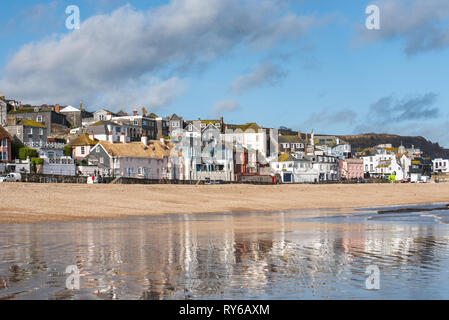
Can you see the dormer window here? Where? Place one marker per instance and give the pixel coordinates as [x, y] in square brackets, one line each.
[203, 125]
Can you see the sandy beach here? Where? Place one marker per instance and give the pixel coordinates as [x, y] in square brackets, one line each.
[30, 203]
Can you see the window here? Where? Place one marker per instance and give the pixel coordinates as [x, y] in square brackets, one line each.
[98, 150]
[203, 125]
[101, 160]
[41, 132]
[190, 127]
[118, 129]
[136, 122]
[39, 118]
[31, 131]
[175, 124]
[82, 150]
[217, 125]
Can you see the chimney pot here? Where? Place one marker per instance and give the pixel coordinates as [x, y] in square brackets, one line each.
[144, 140]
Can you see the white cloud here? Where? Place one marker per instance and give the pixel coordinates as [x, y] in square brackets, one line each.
[263, 74]
[120, 51]
[224, 106]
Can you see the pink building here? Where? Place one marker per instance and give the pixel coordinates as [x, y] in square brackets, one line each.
[351, 169]
[82, 145]
[5, 145]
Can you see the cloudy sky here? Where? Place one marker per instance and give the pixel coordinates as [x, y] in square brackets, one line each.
[304, 64]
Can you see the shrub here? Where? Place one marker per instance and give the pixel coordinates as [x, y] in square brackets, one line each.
[26, 152]
[68, 151]
[37, 161]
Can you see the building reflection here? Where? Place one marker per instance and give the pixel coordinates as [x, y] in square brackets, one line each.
[191, 256]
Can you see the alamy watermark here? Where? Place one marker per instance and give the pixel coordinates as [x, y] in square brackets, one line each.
[373, 280]
[73, 21]
[373, 20]
[73, 280]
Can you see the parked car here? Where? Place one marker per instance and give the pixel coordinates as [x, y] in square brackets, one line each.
[11, 177]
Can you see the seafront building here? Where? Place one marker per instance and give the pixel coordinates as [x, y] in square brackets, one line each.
[147, 146]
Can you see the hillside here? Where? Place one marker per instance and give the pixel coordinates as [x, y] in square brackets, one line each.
[362, 141]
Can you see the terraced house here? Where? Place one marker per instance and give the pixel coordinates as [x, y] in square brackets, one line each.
[82, 145]
[5, 146]
[28, 132]
[142, 160]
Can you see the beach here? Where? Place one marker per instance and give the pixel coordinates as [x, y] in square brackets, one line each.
[33, 203]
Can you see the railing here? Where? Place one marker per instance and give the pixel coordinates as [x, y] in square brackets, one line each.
[61, 161]
[47, 145]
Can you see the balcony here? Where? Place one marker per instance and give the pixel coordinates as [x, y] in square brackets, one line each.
[45, 145]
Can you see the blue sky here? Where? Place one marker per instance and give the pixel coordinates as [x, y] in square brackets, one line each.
[306, 65]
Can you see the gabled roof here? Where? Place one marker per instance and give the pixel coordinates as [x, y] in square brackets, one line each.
[153, 115]
[83, 140]
[70, 109]
[5, 134]
[174, 116]
[155, 149]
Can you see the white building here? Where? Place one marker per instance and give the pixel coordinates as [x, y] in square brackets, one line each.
[294, 170]
[384, 164]
[440, 165]
[250, 136]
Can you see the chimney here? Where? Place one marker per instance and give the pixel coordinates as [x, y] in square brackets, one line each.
[111, 137]
[91, 136]
[144, 139]
[57, 108]
[135, 112]
[81, 106]
[123, 138]
[20, 106]
[221, 124]
[299, 134]
[15, 106]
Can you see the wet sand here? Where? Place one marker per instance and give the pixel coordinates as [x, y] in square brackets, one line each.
[31, 203]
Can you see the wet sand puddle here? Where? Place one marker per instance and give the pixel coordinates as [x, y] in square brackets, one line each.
[311, 254]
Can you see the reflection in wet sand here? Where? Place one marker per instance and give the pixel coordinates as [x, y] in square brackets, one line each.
[255, 256]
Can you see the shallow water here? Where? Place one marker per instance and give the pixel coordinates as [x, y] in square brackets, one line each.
[314, 254]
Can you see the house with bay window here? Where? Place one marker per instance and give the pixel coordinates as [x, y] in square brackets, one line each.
[142, 160]
[5, 146]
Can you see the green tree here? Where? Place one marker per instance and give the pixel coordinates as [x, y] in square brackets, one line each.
[68, 151]
[26, 152]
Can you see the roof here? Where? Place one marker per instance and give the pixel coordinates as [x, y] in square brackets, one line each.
[30, 110]
[83, 140]
[102, 123]
[4, 134]
[286, 157]
[30, 123]
[153, 115]
[70, 109]
[155, 149]
[289, 139]
[204, 121]
[252, 125]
